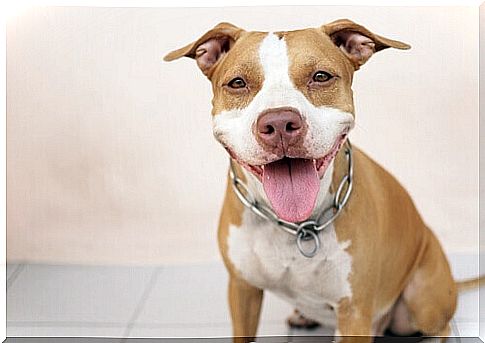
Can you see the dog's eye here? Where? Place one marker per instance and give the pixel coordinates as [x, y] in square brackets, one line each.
[322, 76]
[237, 83]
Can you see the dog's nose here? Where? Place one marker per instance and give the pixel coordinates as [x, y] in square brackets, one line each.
[279, 127]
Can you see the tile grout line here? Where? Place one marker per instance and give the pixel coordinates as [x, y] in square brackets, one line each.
[141, 303]
[455, 330]
[15, 275]
[54, 323]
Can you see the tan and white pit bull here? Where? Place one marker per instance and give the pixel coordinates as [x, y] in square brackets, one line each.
[282, 108]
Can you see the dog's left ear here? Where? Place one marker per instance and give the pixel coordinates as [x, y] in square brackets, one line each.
[357, 42]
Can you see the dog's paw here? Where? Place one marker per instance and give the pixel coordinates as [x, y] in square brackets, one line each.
[298, 321]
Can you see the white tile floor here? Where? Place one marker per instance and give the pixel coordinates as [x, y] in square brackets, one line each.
[167, 301]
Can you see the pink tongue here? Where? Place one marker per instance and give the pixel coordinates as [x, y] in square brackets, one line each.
[291, 186]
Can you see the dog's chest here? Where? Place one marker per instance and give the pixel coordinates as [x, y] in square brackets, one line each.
[268, 258]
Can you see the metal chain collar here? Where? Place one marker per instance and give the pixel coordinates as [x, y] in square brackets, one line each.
[307, 230]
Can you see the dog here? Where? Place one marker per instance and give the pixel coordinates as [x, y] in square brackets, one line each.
[306, 215]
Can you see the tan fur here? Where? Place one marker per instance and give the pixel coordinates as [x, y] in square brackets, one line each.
[312, 50]
[348, 25]
[190, 50]
[245, 52]
[470, 284]
[335, 28]
[380, 217]
[244, 300]
[397, 262]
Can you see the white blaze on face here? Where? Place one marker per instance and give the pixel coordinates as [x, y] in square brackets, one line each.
[234, 127]
[278, 90]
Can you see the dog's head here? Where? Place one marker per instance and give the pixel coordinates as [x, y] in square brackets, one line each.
[283, 103]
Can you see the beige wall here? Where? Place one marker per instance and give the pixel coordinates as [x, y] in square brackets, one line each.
[110, 152]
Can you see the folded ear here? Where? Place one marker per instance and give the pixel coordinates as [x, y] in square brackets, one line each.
[357, 42]
[210, 48]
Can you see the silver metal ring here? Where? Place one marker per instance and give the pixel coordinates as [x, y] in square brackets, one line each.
[309, 225]
[303, 236]
[339, 203]
[239, 188]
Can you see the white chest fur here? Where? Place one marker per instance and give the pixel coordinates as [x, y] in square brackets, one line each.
[267, 257]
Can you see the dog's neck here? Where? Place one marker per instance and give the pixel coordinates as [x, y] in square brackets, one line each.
[324, 199]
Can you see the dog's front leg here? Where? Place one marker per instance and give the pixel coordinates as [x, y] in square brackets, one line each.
[354, 322]
[245, 304]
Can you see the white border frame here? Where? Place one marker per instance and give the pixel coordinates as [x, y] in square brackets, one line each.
[13, 8]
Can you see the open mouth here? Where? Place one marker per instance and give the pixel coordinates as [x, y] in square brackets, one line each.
[292, 184]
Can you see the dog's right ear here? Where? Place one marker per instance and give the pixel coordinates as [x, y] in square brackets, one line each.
[209, 49]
